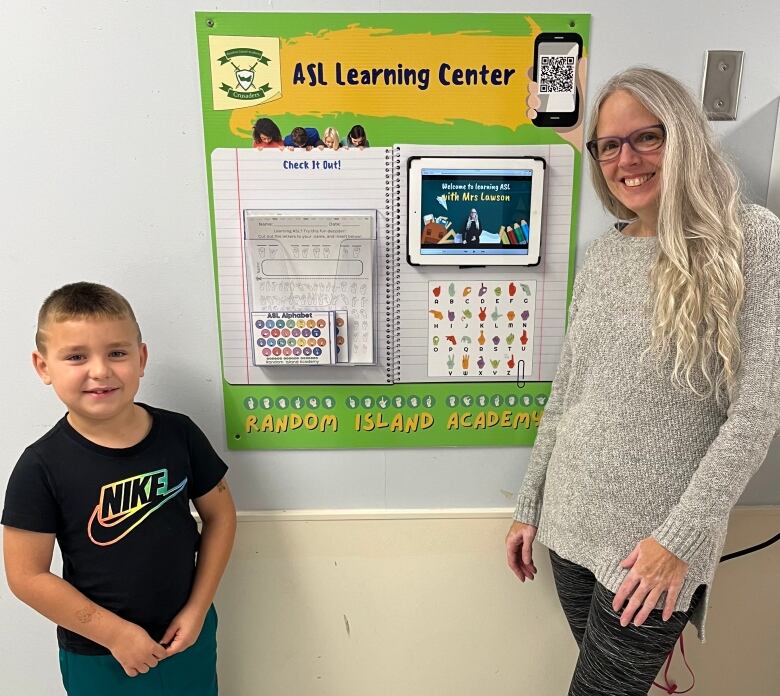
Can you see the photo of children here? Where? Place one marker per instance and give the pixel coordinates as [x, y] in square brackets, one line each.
[267, 134]
[330, 139]
[356, 137]
[301, 137]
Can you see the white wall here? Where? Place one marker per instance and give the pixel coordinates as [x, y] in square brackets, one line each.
[104, 179]
[102, 152]
[422, 604]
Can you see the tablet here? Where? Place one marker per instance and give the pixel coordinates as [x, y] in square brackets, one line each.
[475, 211]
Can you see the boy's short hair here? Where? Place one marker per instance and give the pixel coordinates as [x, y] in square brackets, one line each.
[299, 136]
[82, 301]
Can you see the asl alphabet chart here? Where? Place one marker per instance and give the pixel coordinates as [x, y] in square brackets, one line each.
[480, 329]
[294, 338]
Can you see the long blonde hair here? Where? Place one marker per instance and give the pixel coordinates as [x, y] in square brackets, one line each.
[332, 133]
[697, 281]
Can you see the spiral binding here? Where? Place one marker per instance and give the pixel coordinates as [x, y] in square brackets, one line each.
[390, 270]
[396, 241]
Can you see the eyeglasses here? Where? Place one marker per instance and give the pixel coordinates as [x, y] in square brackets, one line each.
[643, 140]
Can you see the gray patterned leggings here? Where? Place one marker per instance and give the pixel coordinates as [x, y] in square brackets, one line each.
[613, 661]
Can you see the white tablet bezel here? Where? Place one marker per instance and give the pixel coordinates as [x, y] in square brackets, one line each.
[474, 257]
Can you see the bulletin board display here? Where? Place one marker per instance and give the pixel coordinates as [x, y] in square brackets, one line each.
[329, 336]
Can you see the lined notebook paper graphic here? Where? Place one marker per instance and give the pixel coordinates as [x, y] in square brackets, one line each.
[414, 357]
[295, 236]
[291, 236]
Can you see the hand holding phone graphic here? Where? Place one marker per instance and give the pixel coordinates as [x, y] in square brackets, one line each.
[555, 82]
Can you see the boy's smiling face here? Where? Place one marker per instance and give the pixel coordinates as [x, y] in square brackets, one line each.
[95, 366]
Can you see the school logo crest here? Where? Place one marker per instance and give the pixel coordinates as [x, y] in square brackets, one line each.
[246, 78]
[245, 70]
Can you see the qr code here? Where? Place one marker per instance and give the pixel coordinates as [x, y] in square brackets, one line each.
[557, 74]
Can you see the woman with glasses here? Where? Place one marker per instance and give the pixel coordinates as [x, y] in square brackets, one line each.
[668, 390]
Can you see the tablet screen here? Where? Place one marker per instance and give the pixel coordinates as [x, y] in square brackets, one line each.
[475, 211]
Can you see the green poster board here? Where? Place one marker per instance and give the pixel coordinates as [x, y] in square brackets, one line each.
[418, 85]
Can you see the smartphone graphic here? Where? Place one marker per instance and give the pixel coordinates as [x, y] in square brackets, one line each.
[556, 59]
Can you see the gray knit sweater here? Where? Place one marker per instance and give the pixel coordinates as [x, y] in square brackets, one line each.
[621, 454]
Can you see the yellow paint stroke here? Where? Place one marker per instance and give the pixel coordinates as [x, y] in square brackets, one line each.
[366, 48]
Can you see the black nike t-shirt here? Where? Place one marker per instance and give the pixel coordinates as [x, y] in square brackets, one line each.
[121, 516]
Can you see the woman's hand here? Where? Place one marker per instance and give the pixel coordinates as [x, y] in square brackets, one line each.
[519, 550]
[653, 572]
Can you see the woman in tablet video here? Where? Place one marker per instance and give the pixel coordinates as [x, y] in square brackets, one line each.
[667, 393]
[472, 229]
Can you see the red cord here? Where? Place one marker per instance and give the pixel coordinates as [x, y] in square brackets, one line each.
[671, 687]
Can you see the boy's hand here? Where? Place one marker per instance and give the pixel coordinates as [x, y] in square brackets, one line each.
[183, 631]
[134, 649]
[218, 515]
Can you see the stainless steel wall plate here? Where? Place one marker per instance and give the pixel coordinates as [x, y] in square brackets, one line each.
[722, 80]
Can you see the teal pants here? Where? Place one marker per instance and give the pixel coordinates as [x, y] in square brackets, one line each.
[189, 673]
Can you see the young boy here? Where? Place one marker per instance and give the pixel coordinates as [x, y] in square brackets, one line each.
[111, 481]
[300, 137]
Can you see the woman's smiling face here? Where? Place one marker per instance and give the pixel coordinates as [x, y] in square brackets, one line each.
[633, 178]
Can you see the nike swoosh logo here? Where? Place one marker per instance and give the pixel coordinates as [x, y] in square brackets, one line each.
[108, 534]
